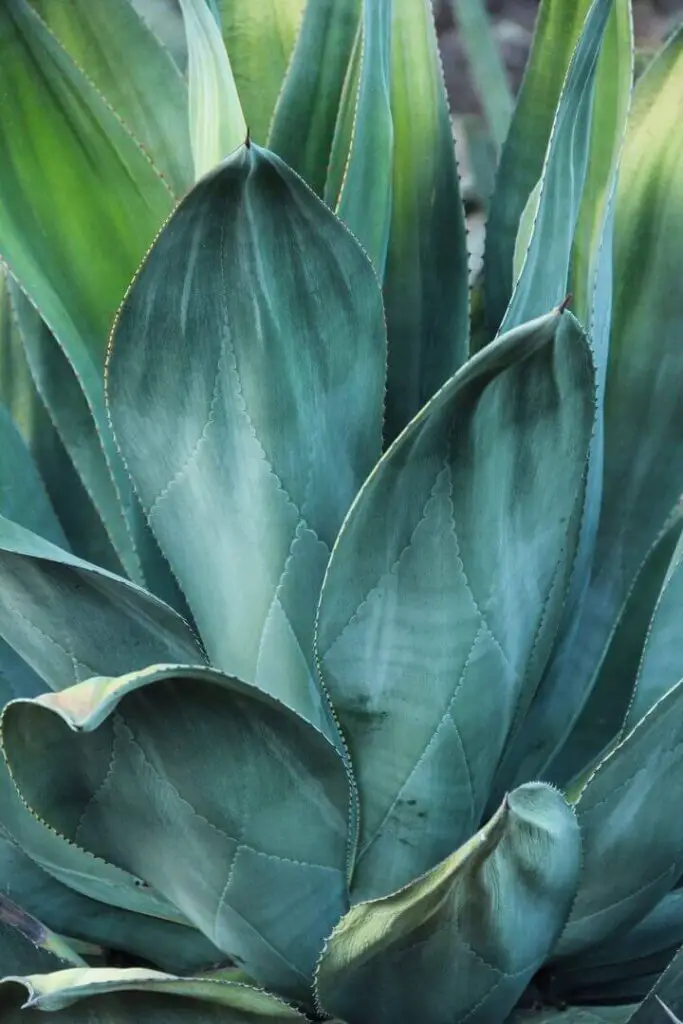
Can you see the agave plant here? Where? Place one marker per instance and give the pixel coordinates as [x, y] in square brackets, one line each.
[341, 660]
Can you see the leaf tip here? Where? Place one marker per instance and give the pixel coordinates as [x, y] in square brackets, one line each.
[566, 302]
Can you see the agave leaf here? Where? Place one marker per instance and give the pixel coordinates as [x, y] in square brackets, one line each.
[643, 470]
[414, 602]
[23, 497]
[259, 38]
[462, 942]
[245, 388]
[304, 119]
[217, 125]
[574, 1015]
[165, 19]
[425, 283]
[544, 277]
[603, 716]
[27, 945]
[172, 947]
[135, 73]
[629, 820]
[359, 181]
[76, 513]
[70, 620]
[119, 996]
[71, 243]
[523, 157]
[661, 665]
[666, 996]
[258, 865]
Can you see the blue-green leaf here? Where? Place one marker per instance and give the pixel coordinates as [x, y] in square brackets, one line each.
[415, 602]
[462, 942]
[23, 497]
[245, 386]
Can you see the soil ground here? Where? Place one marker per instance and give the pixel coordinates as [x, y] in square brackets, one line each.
[513, 25]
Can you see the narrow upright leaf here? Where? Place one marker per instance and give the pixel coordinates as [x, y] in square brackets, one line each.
[306, 113]
[217, 125]
[426, 279]
[486, 65]
[23, 497]
[259, 38]
[245, 385]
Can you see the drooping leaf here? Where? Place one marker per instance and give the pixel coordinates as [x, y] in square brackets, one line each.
[306, 112]
[259, 38]
[414, 602]
[23, 497]
[71, 243]
[259, 865]
[462, 942]
[217, 125]
[245, 388]
[70, 620]
[135, 73]
[425, 283]
[119, 996]
[359, 181]
[628, 813]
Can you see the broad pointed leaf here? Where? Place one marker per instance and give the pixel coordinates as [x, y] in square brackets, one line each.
[305, 116]
[359, 183]
[119, 996]
[462, 942]
[70, 620]
[135, 73]
[628, 812]
[245, 387]
[259, 38]
[440, 583]
[426, 279]
[217, 125]
[258, 865]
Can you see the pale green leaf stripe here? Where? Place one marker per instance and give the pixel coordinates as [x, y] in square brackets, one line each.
[409, 602]
[305, 116]
[217, 125]
[198, 842]
[126, 994]
[134, 72]
[271, 356]
[425, 284]
[468, 935]
[259, 37]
